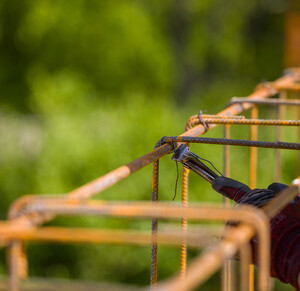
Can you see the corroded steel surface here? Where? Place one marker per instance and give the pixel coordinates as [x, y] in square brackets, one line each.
[206, 264]
[277, 102]
[111, 178]
[235, 142]
[28, 213]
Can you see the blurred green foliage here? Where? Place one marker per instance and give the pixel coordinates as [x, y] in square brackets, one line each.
[87, 86]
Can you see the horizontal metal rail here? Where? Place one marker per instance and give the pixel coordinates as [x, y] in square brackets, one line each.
[234, 142]
[207, 263]
[271, 122]
[88, 190]
[247, 214]
[83, 235]
[275, 102]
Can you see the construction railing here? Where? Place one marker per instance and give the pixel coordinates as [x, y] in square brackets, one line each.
[28, 214]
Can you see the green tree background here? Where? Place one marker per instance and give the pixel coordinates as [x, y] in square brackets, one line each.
[87, 86]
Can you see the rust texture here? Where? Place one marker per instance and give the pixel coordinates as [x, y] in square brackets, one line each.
[235, 142]
[28, 214]
[154, 226]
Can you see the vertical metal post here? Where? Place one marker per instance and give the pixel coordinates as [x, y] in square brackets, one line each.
[155, 176]
[245, 256]
[15, 251]
[227, 269]
[278, 160]
[253, 177]
[253, 150]
[226, 164]
[184, 199]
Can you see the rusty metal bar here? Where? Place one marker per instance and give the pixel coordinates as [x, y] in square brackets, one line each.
[279, 115]
[205, 265]
[226, 157]
[243, 213]
[246, 214]
[271, 122]
[184, 199]
[270, 86]
[88, 190]
[198, 236]
[216, 116]
[82, 235]
[252, 176]
[236, 142]
[106, 181]
[154, 226]
[227, 269]
[253, 150]
[276, 102]
[22, 202]
[15, 259]
[245, 259]
[197, 211]
[67, 207]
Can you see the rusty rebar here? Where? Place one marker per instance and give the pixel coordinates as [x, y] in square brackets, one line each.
[94, 187]
[206, 264]
[83, 235]
[252, 176]
[245, 259]
[227, 268]
[235, 142]
[279, 135]
[184, 222]
[210, 260]
[160, 210]
[275, 102]
[86, 191]
[254, 121]
[227, 280]
[154, 225]
[246, 214]
[184, 201]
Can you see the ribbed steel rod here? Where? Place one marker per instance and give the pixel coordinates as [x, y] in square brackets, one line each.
[83, 235]
[92, 188]
[100, 184]
[154, 226]
[240, 100]
[208, 262]
[236, 142]
[272, 122]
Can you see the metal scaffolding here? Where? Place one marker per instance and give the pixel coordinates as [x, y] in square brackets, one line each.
[29, 213]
